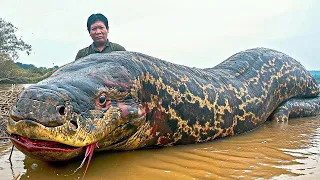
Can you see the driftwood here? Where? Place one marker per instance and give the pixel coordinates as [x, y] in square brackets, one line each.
[7, 98]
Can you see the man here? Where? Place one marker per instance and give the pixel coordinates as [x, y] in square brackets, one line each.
[98, 29]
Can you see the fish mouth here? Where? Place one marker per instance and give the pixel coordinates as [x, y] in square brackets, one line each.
[45, 150]
[32, 145]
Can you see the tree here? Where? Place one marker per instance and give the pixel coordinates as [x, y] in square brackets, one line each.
[9, 43]
[7, 68]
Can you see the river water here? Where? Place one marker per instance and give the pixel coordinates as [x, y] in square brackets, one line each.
[289, 150]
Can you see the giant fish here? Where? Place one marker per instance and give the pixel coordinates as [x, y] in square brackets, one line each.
[129, 100]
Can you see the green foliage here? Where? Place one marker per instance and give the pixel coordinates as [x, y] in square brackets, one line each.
[9, 43]
[12, 73]
[25, 66]
[9, 47]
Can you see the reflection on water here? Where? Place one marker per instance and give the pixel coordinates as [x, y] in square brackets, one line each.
[274, 151]
[8, 169]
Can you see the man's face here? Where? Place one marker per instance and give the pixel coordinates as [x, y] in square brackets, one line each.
[99, 32]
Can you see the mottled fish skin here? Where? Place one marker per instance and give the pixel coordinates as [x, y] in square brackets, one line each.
[128, 100]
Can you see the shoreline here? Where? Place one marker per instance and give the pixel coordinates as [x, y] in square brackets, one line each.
[7, 98]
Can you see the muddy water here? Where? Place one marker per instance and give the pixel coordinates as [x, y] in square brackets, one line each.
[273, 151]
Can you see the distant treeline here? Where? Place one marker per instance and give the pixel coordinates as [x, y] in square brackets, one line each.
[19, 73]
[316, 75]
[31, 66]
[34, 69]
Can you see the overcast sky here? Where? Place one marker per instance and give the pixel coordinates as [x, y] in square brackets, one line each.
[199, 33]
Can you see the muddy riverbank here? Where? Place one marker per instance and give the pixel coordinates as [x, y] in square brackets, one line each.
[8, 95]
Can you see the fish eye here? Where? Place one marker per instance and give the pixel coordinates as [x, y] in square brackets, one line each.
[102, 99]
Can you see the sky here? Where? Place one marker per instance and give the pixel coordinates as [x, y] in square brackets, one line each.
[199, 33]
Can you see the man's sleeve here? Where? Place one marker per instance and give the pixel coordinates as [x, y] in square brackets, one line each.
[118, 47]
[79, 54]
[121, 48]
